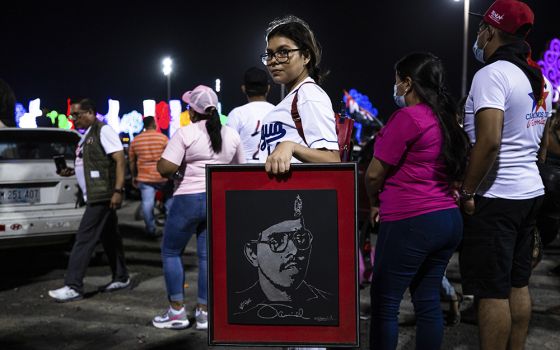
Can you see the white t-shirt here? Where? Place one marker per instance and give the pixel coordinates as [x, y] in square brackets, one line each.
[246, 120]
[502, 85]
[191, 145]
[110, 142]
[317, 120]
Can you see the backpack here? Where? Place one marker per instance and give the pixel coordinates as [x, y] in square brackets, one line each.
[344, 127]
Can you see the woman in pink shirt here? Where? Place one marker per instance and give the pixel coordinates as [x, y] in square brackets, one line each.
[418, 155]
[204, 141]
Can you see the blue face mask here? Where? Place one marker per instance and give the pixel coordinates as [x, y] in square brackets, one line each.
[399, 100]
[479, 52]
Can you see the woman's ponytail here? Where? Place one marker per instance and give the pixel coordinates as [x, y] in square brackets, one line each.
[214, 128]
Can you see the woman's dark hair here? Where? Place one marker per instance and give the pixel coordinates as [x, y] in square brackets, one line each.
[428, 81]
[213, 127]
[298, 30]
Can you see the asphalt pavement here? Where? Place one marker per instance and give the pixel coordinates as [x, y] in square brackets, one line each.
[29, 319]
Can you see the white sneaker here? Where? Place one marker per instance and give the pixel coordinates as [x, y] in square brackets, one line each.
[65, 294]
[201, 319]
[172, 320]
[116, 285]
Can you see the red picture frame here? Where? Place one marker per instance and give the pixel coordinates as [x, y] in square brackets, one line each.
[235, 196]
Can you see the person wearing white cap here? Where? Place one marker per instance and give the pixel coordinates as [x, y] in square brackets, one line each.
[204, 141]
[304, 130]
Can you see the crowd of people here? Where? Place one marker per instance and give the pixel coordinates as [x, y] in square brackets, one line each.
[445, 176]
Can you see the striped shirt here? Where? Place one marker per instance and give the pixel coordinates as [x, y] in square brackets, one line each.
[146, 150]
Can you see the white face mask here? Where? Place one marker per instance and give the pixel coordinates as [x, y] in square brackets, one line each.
[399, 100]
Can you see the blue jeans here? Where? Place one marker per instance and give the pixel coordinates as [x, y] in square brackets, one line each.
[148, 192]
[414, 253]
[186, 217]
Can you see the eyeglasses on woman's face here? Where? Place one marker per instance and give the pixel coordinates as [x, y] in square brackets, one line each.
[281, 56]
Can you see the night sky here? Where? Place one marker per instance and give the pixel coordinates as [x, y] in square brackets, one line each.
[109, 50]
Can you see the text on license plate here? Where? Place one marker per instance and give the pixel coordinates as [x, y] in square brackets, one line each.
[20, 195]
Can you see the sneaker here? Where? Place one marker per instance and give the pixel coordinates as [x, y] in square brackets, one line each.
[171, 320]
[116, 285]
[65, 294]
[201, 319]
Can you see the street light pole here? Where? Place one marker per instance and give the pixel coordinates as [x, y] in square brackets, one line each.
[167, 69]
[168, 87]
[466, 6]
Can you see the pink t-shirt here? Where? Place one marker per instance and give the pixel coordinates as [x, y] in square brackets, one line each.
[417, 184]
[191, 145]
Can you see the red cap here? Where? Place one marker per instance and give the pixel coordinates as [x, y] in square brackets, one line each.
[509, 15]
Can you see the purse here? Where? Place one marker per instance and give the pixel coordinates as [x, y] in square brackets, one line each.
[344, 128]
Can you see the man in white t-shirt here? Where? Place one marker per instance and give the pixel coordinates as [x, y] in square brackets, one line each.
[99, 169]
[247, 119]
[505, 115]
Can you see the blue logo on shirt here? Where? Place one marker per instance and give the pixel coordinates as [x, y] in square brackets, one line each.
[270, 133]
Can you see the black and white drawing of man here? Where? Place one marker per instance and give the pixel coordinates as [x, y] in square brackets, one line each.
[281, 255]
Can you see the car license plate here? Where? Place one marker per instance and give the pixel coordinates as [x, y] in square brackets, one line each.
[20, 195]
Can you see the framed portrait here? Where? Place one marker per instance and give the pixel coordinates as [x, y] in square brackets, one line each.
[283, 256]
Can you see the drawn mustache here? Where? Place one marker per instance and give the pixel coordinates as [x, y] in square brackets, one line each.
[292, 262]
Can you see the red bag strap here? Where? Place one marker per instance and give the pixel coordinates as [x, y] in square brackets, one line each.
[344, 127]
[295, 114]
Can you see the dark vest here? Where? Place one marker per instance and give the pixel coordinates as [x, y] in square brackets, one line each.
[101, 185]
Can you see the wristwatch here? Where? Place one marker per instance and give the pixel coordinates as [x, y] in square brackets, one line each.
[465, 196]
[119, 190]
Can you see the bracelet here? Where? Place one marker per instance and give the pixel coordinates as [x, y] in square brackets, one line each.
[465, 196]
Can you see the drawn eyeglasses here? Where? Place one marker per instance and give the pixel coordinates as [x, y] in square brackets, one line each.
[278, 241]
[282, 56]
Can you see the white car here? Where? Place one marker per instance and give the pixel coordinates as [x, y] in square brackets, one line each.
[37, 206]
